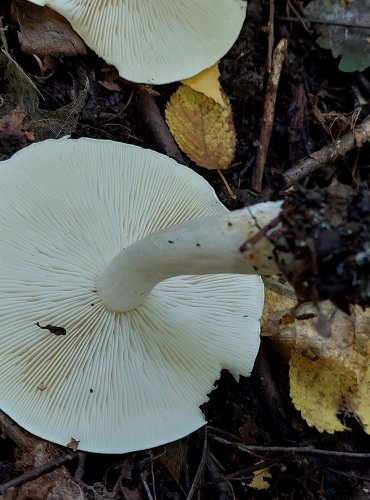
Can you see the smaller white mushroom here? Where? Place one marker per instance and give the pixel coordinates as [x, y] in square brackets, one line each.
[155, 41]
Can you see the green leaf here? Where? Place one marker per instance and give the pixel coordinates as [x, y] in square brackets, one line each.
[351, 42]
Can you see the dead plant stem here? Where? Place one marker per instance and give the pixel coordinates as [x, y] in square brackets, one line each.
[268, 114]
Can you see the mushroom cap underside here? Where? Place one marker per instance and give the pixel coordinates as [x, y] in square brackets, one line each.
[155, 41]
[115, 382]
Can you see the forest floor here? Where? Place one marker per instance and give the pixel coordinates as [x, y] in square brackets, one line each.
[316, 104]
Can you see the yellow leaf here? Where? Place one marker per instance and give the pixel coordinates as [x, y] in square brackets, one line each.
[206, 82]
[361, 402]
[347, 341]
[319, 389]
[329, 373]
[259, 479]
[203, 129]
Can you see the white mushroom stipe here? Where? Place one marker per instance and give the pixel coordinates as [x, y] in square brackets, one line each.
[116, 381]
[188, 248]
[155, 41]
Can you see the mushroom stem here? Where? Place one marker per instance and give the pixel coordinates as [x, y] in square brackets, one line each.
[209, 245]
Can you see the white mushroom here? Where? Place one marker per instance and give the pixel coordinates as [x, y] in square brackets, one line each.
[109, 355]
[155, 41]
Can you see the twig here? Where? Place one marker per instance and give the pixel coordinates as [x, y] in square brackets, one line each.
[326, 155]
[310, 450]
[262, 233]
[36, 472]
[80, 470]
[243, 474]
[270, 391]
[152, 474]
[157, 126]
[268, 114]
[146, 486]
[227, 185]
[298, 16]
[201, 467]
[15, 433]
[271, 35]
[225, 488]
[324, 21]
[348, 475]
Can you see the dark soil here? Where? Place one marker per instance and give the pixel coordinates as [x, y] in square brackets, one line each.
[316, 104]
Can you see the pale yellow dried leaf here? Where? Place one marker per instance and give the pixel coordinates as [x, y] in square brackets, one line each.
[347, 341]
[361, 402]
[327, 373]
[279, 301]
[319, 389]
[203, 129]
[259, 479]
[207, 82]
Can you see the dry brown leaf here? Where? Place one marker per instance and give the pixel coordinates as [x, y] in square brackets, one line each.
[203, 129]
[112, 86]
[207, 82]
[73, 444]
[175, 457]
[12, 133]
[44, 32]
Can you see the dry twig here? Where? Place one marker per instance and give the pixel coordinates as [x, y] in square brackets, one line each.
[306, 450]
[201, 467]
[38, 457]
[268, 113]
[36, 472]
[270, 392]
[326, 155]
[157, 127]
[271, 35]
[15, 433]
[327, 22]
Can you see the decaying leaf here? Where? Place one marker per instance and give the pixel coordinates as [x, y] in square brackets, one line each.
[329, 354]
[207, 82]
[338, 379]
[203, 129]
[259, 479]
[73, 444]
[348, 41]
[344, 339]
[12, 131]
[22, 95]
[44, 32]
[318, 390]
[361, 402]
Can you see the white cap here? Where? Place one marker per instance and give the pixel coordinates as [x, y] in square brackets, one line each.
[155, 41]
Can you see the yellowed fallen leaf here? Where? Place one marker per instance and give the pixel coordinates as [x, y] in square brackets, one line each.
[203, 129]
[361, 402]
[259, 479]
[329, 334]
[207, 82]
[318, 390]
[328, 373]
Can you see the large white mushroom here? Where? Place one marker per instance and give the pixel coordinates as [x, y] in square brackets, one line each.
[155, 41]
[118, 348]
